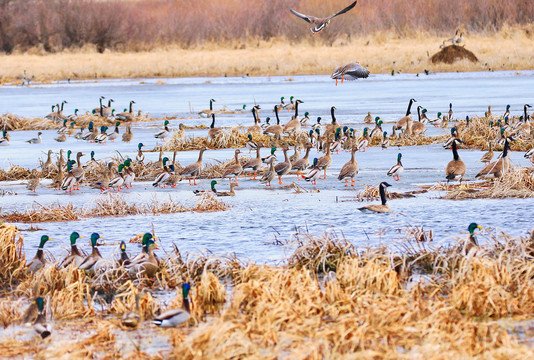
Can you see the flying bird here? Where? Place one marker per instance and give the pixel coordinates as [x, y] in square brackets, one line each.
[351, 71]
[319, 24]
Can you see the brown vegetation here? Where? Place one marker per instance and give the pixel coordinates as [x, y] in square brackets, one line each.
[451, 54]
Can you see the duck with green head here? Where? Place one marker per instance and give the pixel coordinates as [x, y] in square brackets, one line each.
[102, 137]
[162, 134]
[472, 227]
[364, 140]
[267, 159]
[40, 326]
[129, 174]
[38, 260]
[115, 134]
[124, 260]
[176, 317]
[140, 158]
[90, 263]
[396, 169]
[75, 257]
[212, 189]
[144, 253]
[251, 144]
[314, 172]
[160, 179]
[117, 182]
[148, 266]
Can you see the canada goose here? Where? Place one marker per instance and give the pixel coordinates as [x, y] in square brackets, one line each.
[270, 174]
[275, 130]
[193, 170]
[454, 38]
[115, 134]
[162, 134]
[349, 170]
[368, 118]
[351, 71]
[254, 164]
[282, 168]
[75, 257]
[127, 136]
[38, 260]
[91, 261]
[126, 116]
[378, 208]
[235, 169]
[207, 113]
[499, 167]
[293, 126]
[140, 158]
[334, 125]
[455, 168]
[106, 111]
[4, 140]
[403, 122]
[486, 158]
[40, 326]
[319, 24]
[213, 131]
[36, 140]
[97, 110]
[176, 317]
[396, 169]
[256, 128]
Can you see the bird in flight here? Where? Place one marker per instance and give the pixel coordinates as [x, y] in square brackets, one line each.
[351, 71]
[319, 24]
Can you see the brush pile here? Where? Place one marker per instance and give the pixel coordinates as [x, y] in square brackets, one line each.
[452, 53]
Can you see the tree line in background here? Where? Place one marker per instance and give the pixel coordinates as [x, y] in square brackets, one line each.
[126, 25]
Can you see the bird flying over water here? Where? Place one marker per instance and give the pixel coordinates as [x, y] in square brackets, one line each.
[319, 24]
[351, 71]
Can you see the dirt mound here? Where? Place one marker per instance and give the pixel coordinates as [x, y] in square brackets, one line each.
[452, 53]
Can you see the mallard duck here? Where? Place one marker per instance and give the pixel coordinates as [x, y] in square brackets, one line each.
[53, 115]
[129, 174]
[251, 144]
[69, 181]
[75, 257]
[271, 155]
[319, 24]
[48, 165]
[305, 119]
[207, 113]
[127, 116]
[174, 318]
[242, 109]
[103, 136]
[256, 128]
[78, 171]
[254, 164]
[450, 113]
[128, 135]
[422, 116]
[378, 208]
[403, 122]
[115, 134]
[349, 170]
[33, 182]
[270, 174]
[301, 164]
[529, 154]
[140, 158]
[213, 131]
[228, 193]
[364, 140]
[437, 121]
[293, 126]
[295, 155]
[377, 131]
[455, 168]
[143, 255]
[335, 146]
[275, 130]
[283, 168]
[4, 140]
[90, 263]
[161, 177]
[314, 172]
[393, 135]
[324, 161]
[91, 133]
[38, 260]
[211, 190]
[133, 318]
[368, 119]
[148, 266]
[471, 228]
[488, 113]
[318, 124]
[396, 169]
[61, 138]
[486, 158]
[63, 129]
[235, 169]
[351, 71]
[282, 103]
[118, 181]
[193, 170]
[40, 326]
[499, 167]
[454, 135]
[60, 176]
[36, 140]
[385, 141]
[173, 178]
[290, 105]
[163, 133]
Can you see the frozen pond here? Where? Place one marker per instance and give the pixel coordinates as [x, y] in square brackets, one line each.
[258, 215]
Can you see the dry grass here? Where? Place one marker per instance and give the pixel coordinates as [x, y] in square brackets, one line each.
[509, 49]
[517, 183]
[109, 205]
[369, 304]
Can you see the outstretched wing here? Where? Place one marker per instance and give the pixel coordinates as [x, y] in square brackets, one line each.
[348, 8]
[302, 16]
